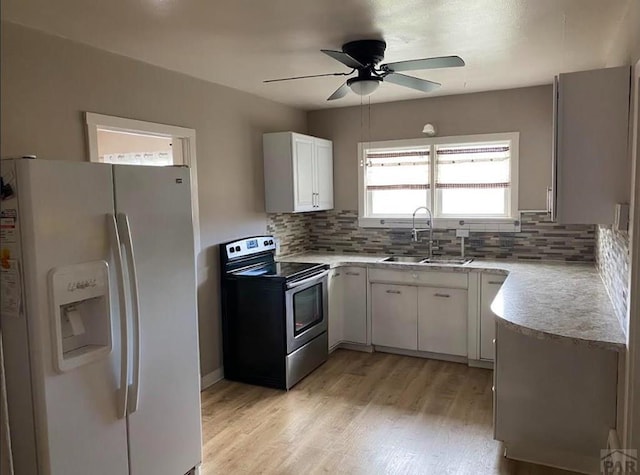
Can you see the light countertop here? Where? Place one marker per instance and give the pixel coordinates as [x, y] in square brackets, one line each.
[543, 299]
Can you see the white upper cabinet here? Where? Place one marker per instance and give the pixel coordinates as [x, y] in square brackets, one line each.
[303, 171]
[324, 173]
[590, 161]
[298, 173]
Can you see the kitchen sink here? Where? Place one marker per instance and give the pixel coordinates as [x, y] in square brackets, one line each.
[446, 260]
[410, 259]
[456, 261]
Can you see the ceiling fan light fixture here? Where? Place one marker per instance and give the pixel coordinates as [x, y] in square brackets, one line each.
[364, 86]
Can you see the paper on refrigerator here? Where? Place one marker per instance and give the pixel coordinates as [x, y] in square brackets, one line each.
[10, 288]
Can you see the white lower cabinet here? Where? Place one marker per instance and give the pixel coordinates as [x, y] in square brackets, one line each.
[489, 286]
[442, 320]
[347, 306]
[354, 304]
[335, 323]
[394, 315]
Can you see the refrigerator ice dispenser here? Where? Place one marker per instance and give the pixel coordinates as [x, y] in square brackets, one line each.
[81, 314]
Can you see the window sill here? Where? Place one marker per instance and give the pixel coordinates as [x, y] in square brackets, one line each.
[496, 225]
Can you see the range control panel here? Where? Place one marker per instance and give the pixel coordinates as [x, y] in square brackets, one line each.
[250, 246]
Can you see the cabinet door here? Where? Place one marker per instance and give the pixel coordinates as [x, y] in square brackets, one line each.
[394, 316]
[442, 320]
[489, 286]
[592, 139]
[303, 173]
[324, 174]
[354, 285]
[336, 305]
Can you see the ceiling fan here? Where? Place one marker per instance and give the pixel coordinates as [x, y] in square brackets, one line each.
[363, 56]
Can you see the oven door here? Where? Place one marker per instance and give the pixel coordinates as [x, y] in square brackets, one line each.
[307, 308]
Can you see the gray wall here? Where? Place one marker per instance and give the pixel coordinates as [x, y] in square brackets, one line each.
[525, 110]
[624, 47]
[46, 84]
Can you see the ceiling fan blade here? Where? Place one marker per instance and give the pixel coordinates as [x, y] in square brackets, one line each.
[344, 58]
[305, 77]
[426, 63]
[339, 93]
[414, 83]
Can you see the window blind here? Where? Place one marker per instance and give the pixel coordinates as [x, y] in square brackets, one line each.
[397, 170]
[473, 167]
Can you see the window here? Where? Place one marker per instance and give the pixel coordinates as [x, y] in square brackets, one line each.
[398, 181]
[472, 178]
[134, 148]
[121, 141]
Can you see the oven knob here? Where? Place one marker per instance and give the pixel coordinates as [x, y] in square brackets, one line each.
[237, 248]
[231, 249]
[266, 243]
[271, 241]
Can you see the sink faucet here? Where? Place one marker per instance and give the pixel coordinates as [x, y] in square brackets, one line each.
[415, 231]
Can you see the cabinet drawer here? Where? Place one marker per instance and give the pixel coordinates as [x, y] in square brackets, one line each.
[453, 280]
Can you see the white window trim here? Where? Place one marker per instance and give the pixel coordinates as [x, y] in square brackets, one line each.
[187, 136]
[474, 224]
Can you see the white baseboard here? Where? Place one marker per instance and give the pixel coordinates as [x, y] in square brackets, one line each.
[356, 347]
[210, 379]
[421, 354]
[481, 364]
[553, 458]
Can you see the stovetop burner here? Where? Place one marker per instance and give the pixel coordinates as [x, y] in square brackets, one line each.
[286, 270]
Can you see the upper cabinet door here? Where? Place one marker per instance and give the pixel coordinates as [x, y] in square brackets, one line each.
[304, 173]
[592, 162]
[298, 173]
[324, 174]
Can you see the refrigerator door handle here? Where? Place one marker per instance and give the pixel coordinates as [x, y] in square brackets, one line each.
[125, 231]
[124, 330]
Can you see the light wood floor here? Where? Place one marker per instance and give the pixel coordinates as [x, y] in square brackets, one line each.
[359, 414]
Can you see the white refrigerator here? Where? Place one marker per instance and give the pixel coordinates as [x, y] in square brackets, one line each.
[99, 319]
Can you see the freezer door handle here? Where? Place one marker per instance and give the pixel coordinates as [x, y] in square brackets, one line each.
[116, 246]
[125, 231]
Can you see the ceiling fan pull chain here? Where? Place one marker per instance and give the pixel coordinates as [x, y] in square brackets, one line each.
[369, 97]
[361, 121]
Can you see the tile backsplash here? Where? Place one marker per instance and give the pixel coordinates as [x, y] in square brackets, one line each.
[291, 231]
[338, 231]
[612, 259]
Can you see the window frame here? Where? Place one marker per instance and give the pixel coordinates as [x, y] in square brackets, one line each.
[407, 145]
[184, 155]
[507, 223]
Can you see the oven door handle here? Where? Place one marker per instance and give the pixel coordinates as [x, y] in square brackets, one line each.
[298, 283]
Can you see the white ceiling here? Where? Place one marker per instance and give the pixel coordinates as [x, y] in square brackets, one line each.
[239, 43]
